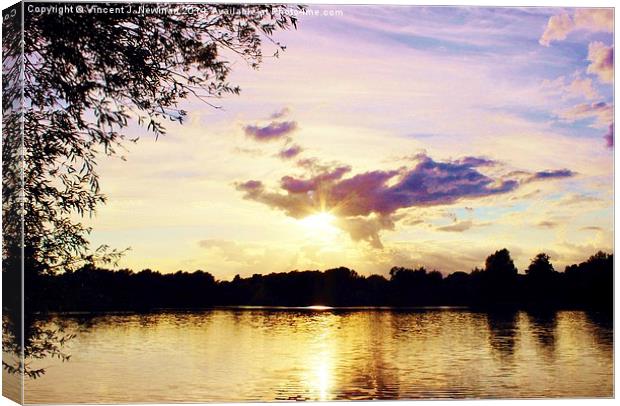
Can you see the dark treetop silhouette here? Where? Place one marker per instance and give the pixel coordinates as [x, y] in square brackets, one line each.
[498, 285]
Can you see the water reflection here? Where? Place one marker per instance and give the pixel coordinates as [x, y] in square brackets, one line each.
[544, 324]
[262, 354]
[503, 333]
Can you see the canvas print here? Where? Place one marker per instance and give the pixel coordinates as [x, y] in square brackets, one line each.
[220, 202]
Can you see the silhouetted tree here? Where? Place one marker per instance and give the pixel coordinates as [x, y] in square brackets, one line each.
[500, 264]
[415, 286]
[499, 278]
[586, 285]
[540, 267]
[591, 282]
[541, 283]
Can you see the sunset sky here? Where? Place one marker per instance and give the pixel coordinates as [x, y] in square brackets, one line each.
[384, 136]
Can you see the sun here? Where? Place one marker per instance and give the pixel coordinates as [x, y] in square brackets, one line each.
[320, 226]
[319, 221]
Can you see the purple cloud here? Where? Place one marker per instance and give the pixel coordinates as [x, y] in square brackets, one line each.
[476, 161]
[296, 185]
[609, 136]
[368, 202]
[290, 152]
[545, 175]
[379, 193]
[272, 131]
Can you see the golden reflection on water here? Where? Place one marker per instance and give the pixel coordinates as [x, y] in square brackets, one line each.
[307, 354]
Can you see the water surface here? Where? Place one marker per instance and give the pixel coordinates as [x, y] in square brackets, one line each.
[301, 354]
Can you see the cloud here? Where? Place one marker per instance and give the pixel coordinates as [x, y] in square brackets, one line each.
[476, 161]
[251, 186]
[272, 131]
[366, 229]
[601, 59]
[609, 136]
[547, 224]
[587, 19]
[290, 152]
[578, 199]
[296, 185]
[558, 28]
[458, 227]
[578, 88]
[582, 88]
[280, 113]
[525, 177]
[591, 228]
[367, 203]
[602, 113]
[546, 175]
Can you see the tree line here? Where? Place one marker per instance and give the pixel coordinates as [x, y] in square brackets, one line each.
[585, 285]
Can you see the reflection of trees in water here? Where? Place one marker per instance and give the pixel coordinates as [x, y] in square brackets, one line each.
[372, 376]
[544, 324]
[50, 336]
[503, 331]
[40, 340]
[602, 329]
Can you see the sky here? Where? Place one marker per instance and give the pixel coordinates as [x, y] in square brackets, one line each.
[384, 136]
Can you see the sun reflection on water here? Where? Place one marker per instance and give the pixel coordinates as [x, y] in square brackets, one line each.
[329, 355]
[322, 355]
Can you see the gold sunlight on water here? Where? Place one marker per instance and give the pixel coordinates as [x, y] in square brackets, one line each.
[322, 358]
[327, 355]
[322, 380]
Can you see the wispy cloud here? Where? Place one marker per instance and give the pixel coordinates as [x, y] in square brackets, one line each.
[290, 152]
[270, 132]
[555, 174]
[577, 88]
[280, 113]
[458, 227]
[609, 136]
[601, 112]
[592, 228]
[547, 224]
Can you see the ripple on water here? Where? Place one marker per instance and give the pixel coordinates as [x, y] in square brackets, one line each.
[262, 354]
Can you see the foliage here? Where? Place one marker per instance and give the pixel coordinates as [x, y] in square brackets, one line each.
[91, 288]
[41, 342]
[540, 267]
[500, 263]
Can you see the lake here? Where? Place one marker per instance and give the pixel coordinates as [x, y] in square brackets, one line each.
[258, 354]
